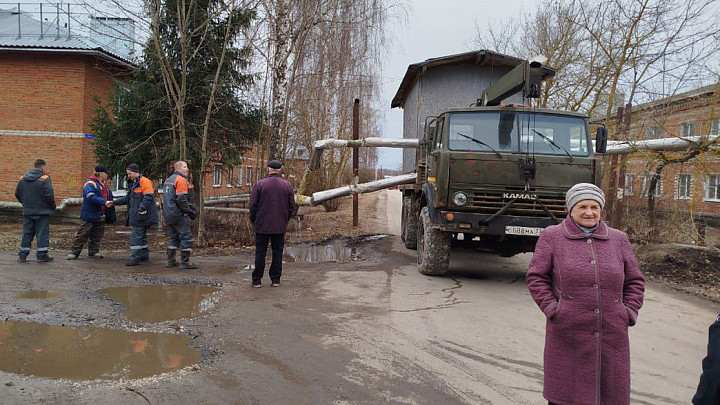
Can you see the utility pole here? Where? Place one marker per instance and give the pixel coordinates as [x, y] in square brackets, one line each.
[356, 157]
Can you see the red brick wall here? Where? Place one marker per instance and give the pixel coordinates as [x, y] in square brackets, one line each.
[49, 93]
[701, 111]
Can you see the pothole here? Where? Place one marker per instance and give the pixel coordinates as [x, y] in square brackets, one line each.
[159, 303]
[334, 251]
[90, 353]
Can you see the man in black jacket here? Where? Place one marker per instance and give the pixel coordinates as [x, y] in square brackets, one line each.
[35, 193]
[708, 392]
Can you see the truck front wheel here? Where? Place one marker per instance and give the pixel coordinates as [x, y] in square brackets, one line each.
[409, 223]
[433, 247]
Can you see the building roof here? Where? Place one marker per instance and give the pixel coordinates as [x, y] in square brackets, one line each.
[20, 32]
[481, 57]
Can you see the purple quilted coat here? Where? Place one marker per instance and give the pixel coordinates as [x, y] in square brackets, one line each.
[590, 289]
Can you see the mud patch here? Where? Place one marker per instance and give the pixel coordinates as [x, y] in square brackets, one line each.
[39, 294]
[90, 353]
[689, 267]
[159, 303]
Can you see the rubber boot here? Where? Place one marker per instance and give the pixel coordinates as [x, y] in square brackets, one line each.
[171, 262]
[185, 262]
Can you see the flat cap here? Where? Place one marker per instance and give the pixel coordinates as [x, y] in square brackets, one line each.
[275, 164]
[101, 169]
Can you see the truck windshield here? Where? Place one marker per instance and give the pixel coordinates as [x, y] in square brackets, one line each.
[517, 132]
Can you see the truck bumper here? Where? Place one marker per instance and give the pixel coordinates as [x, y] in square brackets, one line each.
[471, 223]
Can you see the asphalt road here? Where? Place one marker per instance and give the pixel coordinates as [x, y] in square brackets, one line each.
[363, 331]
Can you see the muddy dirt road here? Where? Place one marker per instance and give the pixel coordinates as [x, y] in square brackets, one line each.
[352, 323]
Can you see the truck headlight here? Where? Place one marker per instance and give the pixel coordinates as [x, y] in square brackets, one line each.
[460, 199]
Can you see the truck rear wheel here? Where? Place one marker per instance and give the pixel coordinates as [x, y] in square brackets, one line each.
[409, 223]
[433, 247]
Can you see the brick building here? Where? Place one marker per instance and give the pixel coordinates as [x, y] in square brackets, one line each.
[692, 186]
[51, 81]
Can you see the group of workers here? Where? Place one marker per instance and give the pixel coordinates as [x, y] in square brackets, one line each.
[272, 204]
[35, 193]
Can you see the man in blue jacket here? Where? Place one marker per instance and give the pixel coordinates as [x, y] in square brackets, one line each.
[97, 209]
[708, 391]
[272, 203]
[142, 213]
[35, 193]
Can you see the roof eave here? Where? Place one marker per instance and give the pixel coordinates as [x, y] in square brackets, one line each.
[91, 52]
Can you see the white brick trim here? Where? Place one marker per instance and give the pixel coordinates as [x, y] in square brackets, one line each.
[53, 134]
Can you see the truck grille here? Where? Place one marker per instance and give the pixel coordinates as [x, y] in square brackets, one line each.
[492, 202]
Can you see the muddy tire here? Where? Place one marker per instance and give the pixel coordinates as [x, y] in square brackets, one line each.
[409, 223]
[433, 247]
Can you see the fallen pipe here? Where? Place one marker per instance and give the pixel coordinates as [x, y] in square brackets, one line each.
[369, 187]
[228, 200]
[63, 204]
[233, 210]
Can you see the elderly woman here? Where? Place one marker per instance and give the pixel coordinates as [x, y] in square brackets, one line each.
[586, 280]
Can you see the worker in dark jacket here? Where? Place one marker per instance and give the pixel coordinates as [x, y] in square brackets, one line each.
[272, 202]
[178, 210]
[96, 210]
[708, 392]
[141, 214]
[35, 193]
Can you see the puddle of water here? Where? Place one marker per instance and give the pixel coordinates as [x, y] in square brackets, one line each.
[35, 294]
[158, 303]
[335, 251]
[374, 237]
[90, 353]
[226, 270]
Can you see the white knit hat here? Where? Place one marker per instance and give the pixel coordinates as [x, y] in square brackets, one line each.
[584, 191]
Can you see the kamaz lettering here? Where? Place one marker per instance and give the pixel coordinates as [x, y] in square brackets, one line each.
[522, 196]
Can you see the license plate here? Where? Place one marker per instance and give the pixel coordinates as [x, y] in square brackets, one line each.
[522, 230]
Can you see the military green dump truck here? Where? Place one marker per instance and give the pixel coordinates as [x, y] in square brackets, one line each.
[492, 171]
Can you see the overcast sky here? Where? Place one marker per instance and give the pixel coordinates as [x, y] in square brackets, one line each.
[434, 28]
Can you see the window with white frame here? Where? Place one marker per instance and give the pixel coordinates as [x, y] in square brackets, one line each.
[684, 186]
[161, 184]
[248, 175]
[712, 188]
[687, 128]
[655, 132]
[239, 179]
[119, 185]
[715, 126]
[646, 185]
[230, 176]
[217, 174]
[629, 184]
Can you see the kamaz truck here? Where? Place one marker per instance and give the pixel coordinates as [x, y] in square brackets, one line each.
[492, 170]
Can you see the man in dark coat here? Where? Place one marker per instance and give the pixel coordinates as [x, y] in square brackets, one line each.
[272, 202]
[96, 210]
[178, 210]
[141, 215]
[708, 392]
[35, 193]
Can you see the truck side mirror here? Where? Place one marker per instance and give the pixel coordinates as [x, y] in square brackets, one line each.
[601, 138]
